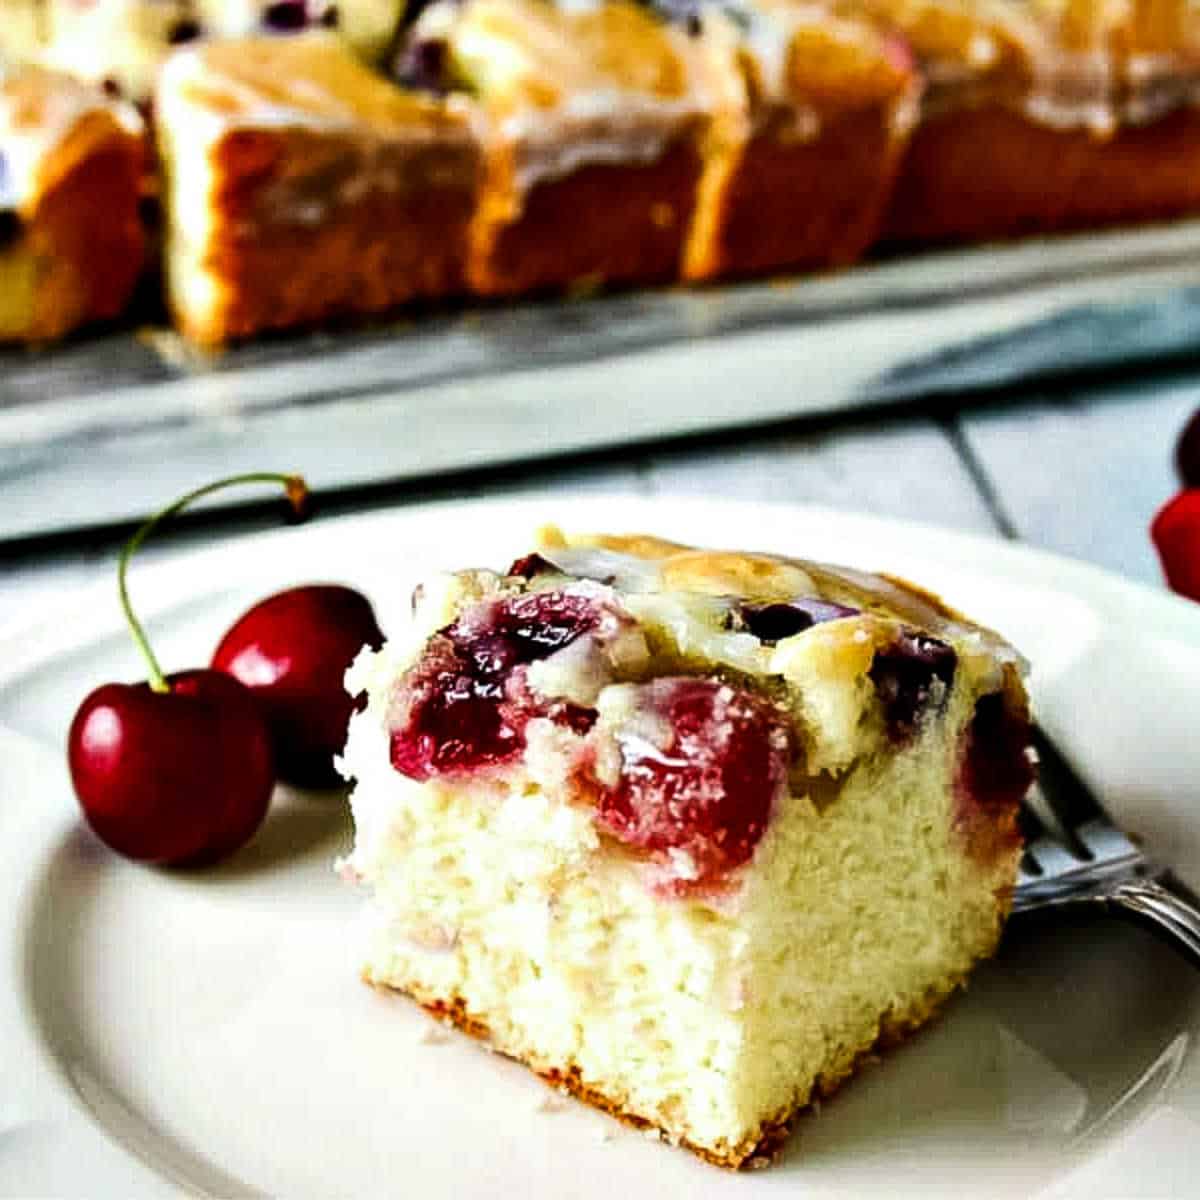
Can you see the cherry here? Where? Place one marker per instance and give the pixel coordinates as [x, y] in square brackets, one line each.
[423, 65]
[176, 776]
[904, 675]
[463, 706]
[285, 15]
[995, 770]
[530, 566]
[707, 790]
[178, 769]
[772, 623]
[1176, 534]
[1187, 452]
[292, 650]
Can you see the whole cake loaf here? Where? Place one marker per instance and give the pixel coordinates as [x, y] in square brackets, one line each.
[688, 832]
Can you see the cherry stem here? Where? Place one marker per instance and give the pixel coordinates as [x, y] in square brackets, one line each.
[297, 493]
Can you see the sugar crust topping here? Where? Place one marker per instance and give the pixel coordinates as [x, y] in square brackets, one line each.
[679, 693]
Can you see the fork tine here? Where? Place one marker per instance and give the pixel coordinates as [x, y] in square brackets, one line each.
[1106, 842]
[1061, 798]
[1053, 858]
[1032, 832]
[1030, 824]
[1037, 804]
[1116, 875]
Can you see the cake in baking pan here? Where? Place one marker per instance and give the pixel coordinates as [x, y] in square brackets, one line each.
[71, 242]
[688, 832]
[380, 154]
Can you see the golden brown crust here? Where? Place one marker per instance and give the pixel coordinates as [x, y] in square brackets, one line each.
[805, 203]
[775, 578]
[372, 251]
[810, 179]
[980, 173]
[750, 574]
[558, 53]
[641, 545]
[332, 193]
[768, 1139]
[924, 595]
[598, 120]
[311, 77]
[734, 573]
[79, 249]
[620, 223]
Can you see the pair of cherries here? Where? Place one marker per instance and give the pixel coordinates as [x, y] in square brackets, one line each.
[180, 769]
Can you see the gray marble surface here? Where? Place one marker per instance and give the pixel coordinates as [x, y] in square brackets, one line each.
[1079, 471]
[950, 389]
[98, 432]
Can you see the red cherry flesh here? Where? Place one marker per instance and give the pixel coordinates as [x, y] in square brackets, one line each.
[292, 650]
[1176, 534]
[172, 777]
[463, 706]
[710, 789]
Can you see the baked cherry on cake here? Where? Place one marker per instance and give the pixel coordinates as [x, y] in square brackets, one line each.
[689, 832]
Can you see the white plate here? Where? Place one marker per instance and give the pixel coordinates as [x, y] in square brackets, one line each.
[206, 1032]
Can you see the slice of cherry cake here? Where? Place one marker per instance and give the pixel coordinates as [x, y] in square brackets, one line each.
[687, 831]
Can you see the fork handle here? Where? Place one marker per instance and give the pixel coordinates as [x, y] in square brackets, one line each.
[1163, 910]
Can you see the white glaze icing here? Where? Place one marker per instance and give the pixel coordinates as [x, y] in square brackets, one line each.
[564, 96]
[1097, 87]
[607, 127]
[636, 576]
[38, 111]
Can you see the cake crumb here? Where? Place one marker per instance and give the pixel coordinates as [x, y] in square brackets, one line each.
[759, 1162]
[434, 1034]
[549, 1103]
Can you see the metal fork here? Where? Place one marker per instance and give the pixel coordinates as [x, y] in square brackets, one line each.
[1075, 856]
